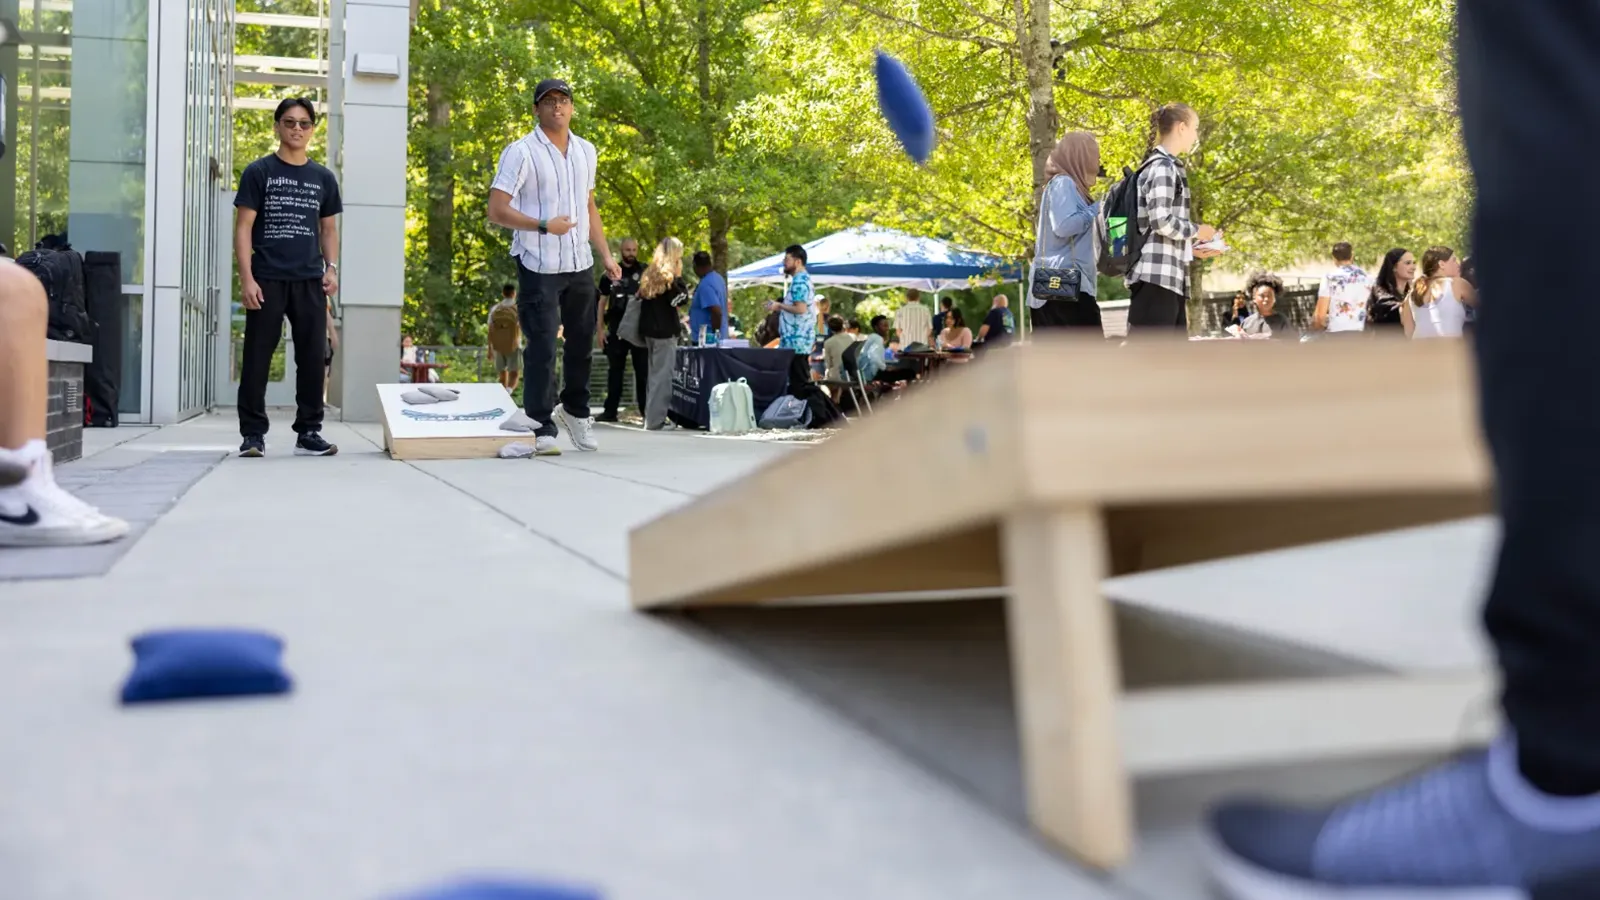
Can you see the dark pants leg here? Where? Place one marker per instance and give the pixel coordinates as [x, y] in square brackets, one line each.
[1155, 312]
[263, 328]
[1083, 313]
[799, 374]
[640, 360]
[1530, 100]
[616, 350]
[307, 308]
[618, 354]
[578, 318]
[544, 303]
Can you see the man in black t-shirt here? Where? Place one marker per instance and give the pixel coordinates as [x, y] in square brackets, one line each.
[615, 295]
[286, 238]
[997, 325]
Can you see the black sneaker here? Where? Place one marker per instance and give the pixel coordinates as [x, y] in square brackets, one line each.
[312, 444]
[253, 447]
[606, 417]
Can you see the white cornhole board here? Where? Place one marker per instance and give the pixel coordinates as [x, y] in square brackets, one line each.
[408, 438]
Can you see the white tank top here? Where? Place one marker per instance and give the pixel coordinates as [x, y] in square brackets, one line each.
[1445, 317]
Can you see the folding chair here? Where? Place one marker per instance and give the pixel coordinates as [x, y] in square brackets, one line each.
[852, 382]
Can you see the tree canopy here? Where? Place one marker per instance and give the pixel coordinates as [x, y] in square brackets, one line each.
[740, 126]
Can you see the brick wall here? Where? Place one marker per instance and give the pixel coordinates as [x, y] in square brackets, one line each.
[64, 432]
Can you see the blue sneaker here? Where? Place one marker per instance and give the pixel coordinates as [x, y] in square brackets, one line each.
[1472, 829]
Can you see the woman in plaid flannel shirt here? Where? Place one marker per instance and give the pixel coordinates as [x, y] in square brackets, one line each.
[1159, 280]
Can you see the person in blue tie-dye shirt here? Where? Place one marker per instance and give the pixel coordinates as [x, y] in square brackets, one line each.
[797, 327]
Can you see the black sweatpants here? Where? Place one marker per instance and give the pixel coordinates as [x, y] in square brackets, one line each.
[1530, 100]
[1081, 313]
[618, 354]
[1155, 312]
[304, 304]
[544, 303]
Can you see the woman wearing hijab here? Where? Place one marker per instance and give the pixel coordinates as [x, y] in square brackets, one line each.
[1066, 238]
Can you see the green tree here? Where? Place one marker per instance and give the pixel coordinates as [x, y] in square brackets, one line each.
[665, 87]
[471, 95]
[1314, 123]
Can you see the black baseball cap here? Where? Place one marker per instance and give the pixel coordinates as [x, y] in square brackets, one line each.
[551, 84]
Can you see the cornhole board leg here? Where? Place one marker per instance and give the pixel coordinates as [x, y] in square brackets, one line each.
[1066, 675]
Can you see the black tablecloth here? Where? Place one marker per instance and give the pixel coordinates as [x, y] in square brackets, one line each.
[698, 369]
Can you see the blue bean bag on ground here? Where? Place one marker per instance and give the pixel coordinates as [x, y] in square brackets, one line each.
[182, 664]
[493, 889]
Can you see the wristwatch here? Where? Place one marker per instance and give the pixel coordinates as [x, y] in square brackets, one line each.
[543, 227]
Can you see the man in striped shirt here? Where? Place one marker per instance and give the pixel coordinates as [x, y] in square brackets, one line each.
[544, 192]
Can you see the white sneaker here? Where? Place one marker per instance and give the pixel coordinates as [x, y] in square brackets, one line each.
[579, 431]
[38, 513]
[545, 445]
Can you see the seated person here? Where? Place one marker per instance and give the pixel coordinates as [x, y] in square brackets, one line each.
[956, 337]
[1265, 321]
[34, 510]
[874, 368]
[839, 340]
[998, 324]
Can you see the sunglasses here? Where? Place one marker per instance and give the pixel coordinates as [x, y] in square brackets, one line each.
[297, 124]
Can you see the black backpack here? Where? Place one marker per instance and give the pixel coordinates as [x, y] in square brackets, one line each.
[61, 273]
[1121, 239]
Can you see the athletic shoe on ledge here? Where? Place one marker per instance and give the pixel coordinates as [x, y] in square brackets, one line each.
[312, 444]
[1471, 829]
[38, 513]
[545, 445]
[579, 431]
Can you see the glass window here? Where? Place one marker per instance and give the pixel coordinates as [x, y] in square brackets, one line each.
[79, 129]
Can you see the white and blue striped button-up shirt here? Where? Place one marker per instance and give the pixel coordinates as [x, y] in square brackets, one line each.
[545, 183]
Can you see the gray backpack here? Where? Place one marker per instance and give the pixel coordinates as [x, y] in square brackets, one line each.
[786, 412]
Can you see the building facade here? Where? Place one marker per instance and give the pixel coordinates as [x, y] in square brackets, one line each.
[119, 134]
[118, 114]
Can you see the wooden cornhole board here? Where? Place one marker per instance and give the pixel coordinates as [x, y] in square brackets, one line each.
[406, 437]
[1041, 471]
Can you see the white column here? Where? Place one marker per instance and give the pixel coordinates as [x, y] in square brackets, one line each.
[373, 162]
[164, 270]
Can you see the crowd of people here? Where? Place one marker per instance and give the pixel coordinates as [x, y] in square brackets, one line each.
[1078, 234]
[1440, 301]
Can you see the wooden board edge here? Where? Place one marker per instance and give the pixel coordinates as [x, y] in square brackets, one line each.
[1176, 731]
[940, 462]
[451, 448]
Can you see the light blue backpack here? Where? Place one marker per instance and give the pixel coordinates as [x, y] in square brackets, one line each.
[732, 408]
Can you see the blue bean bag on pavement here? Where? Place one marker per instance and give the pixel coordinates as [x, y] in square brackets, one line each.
[182, 664]
[490, 889]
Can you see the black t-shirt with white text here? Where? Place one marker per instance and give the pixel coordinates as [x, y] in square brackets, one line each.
[290, 203]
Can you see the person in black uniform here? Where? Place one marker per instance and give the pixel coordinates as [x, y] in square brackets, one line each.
[615, 296]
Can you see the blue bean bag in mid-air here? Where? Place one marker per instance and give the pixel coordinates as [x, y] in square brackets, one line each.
[905, 108]
[184, 664]
[502, 889]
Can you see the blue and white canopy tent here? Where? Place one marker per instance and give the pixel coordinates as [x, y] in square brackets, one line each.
[868, 259]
